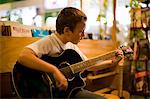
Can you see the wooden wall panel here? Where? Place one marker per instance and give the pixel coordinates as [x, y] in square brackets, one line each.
[10, 47]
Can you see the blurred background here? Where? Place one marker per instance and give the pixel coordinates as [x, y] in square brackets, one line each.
[43, 13]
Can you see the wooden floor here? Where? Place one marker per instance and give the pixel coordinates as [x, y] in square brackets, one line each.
[10, 48]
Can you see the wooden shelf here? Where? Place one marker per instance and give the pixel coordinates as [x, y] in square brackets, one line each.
[90, 77]
[137, 28]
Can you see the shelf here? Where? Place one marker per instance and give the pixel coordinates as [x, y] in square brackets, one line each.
[90, 77]
[136, 28]
[145, 9]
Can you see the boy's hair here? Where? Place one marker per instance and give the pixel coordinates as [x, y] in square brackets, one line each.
[69, 17]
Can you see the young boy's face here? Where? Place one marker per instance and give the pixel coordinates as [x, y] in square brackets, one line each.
[78, 32]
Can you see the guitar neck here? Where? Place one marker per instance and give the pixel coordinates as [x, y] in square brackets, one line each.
[88, 63]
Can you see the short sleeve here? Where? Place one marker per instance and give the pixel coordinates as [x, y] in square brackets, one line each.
[41, 46]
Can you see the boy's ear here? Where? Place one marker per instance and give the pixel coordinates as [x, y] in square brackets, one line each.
[67, 30]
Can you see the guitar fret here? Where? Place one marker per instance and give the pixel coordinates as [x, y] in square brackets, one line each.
[85, 64]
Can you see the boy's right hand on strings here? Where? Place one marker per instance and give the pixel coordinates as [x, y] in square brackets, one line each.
[61, 81]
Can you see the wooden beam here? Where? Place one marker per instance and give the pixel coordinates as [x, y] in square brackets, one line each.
[114, 39]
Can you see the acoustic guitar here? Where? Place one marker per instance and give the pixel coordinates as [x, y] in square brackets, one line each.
[31, 83]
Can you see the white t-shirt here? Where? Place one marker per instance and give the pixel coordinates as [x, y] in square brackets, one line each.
[53, 46]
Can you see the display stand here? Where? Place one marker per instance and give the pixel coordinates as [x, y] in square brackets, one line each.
[140, 72]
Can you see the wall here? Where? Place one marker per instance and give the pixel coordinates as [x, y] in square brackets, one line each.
[25, 3]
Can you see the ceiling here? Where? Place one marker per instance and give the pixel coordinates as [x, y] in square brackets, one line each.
[8, 1]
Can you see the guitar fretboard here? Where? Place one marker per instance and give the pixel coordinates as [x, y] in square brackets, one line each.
[88, 63]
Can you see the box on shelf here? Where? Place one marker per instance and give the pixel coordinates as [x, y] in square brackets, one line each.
[15, 29]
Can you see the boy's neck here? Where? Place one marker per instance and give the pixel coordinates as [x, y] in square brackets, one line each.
[62, 37]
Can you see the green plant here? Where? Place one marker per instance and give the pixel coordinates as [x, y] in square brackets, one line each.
[102, 16]
[136, 34]
[134, 3]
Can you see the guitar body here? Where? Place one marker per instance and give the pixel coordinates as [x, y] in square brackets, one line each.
[34, 84]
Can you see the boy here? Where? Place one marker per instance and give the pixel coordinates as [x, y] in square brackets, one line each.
[70, 26]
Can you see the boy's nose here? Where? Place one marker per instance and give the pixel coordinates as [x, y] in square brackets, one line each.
[82, 34]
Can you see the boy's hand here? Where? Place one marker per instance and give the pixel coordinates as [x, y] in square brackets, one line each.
[61, 81]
